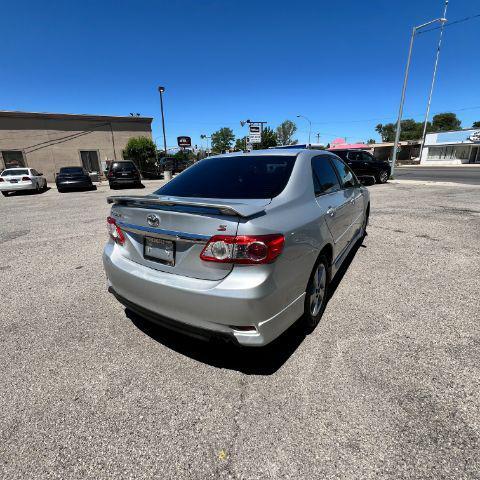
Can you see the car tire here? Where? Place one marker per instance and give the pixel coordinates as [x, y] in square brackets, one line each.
[316, 296]
[382, 176]
[365, 223]
[5, 194]
[60, 190]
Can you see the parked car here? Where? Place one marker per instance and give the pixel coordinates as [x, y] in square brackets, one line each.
[69, 178]
[239, 246]
[15, 179]
[364, 163]
[123, 173]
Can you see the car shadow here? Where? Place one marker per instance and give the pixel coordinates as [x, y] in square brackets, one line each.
[24, 193]
[250, 361]
[79, 189]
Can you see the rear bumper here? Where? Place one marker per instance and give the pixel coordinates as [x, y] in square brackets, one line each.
[219, 307]
[12, 187]
[74, 183]
[123, 181]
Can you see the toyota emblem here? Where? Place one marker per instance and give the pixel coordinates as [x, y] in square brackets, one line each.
[153, 220]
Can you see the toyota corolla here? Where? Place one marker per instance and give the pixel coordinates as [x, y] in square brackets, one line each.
[237, 247]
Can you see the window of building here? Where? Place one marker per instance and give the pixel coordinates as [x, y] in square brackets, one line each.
[449, 152]
[13, 158]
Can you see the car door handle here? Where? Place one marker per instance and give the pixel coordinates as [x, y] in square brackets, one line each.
[352, 201]
[331, 211]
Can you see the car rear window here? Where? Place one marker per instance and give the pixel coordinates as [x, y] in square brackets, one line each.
[71, 170]
[233, 177]
[341, 153]
[11, 173]
[124, 167]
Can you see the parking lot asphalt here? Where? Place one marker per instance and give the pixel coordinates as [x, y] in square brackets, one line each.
[387, 386]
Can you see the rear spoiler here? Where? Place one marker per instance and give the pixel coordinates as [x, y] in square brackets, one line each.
[240, 209]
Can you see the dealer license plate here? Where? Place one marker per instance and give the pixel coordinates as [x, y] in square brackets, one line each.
[159, 250]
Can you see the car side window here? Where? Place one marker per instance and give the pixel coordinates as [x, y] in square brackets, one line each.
[325, 179]
[346, 175]
[366, 157]
[34, 172]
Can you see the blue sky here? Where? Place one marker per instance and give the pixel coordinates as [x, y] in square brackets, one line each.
[339, 63]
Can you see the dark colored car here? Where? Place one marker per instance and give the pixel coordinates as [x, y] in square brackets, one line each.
[123, 173]
[70, 178]
[365, 164]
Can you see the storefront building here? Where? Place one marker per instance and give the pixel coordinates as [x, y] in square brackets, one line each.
[452, 148]
[49, 141]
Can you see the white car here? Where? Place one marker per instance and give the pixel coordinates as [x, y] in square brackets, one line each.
[13, 179]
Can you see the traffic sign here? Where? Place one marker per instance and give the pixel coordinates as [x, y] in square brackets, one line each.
[255, 133]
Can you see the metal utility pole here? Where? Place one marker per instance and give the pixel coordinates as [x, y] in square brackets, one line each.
[318, 137]
[437, 57]
[161, 90]
[310, 126]
[404, 88]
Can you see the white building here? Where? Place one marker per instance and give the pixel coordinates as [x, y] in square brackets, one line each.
[451, 148]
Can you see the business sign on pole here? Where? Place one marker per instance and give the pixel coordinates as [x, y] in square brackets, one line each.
[184, 142]
[255, 134]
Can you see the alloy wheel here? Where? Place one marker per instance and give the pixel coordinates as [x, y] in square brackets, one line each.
[319, 289]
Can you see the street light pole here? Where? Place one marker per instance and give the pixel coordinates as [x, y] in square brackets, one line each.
[404, 88]
[427, 113]
[310, 126]
[161, 90]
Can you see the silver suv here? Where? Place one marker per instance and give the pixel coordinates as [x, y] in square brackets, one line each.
[239, 246]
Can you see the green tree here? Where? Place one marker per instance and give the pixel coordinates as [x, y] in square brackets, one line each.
[222, 140]
[476, 124]
[285, 132]
[240, 144]
[443, 122]
[269, 139]
[410, 130]
[370, 140]
[143, 152]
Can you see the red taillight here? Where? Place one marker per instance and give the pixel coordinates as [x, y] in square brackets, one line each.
[26, 179]
[110, 174]
[244, 249]
[114, 231]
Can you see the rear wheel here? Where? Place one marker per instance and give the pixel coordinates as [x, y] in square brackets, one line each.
[382, 176]
[316, 294]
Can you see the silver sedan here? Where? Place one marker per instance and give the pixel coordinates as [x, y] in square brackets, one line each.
[237, 247]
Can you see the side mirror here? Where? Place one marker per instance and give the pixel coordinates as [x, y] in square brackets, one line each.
[366, 180]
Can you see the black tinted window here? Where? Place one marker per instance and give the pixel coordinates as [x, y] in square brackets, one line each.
[340, 153]
[123, 167]
[346, 175]
[233, 177]
[325, 179]
[71, 170]
[366, 157]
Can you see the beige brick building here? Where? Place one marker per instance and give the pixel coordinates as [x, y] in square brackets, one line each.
[48, 141]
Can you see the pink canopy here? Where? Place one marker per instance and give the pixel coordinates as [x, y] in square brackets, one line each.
[344, 146]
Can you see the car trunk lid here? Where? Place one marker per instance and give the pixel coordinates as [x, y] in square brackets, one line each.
[169, 233]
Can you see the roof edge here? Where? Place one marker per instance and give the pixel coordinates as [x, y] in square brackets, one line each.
[72, 116]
